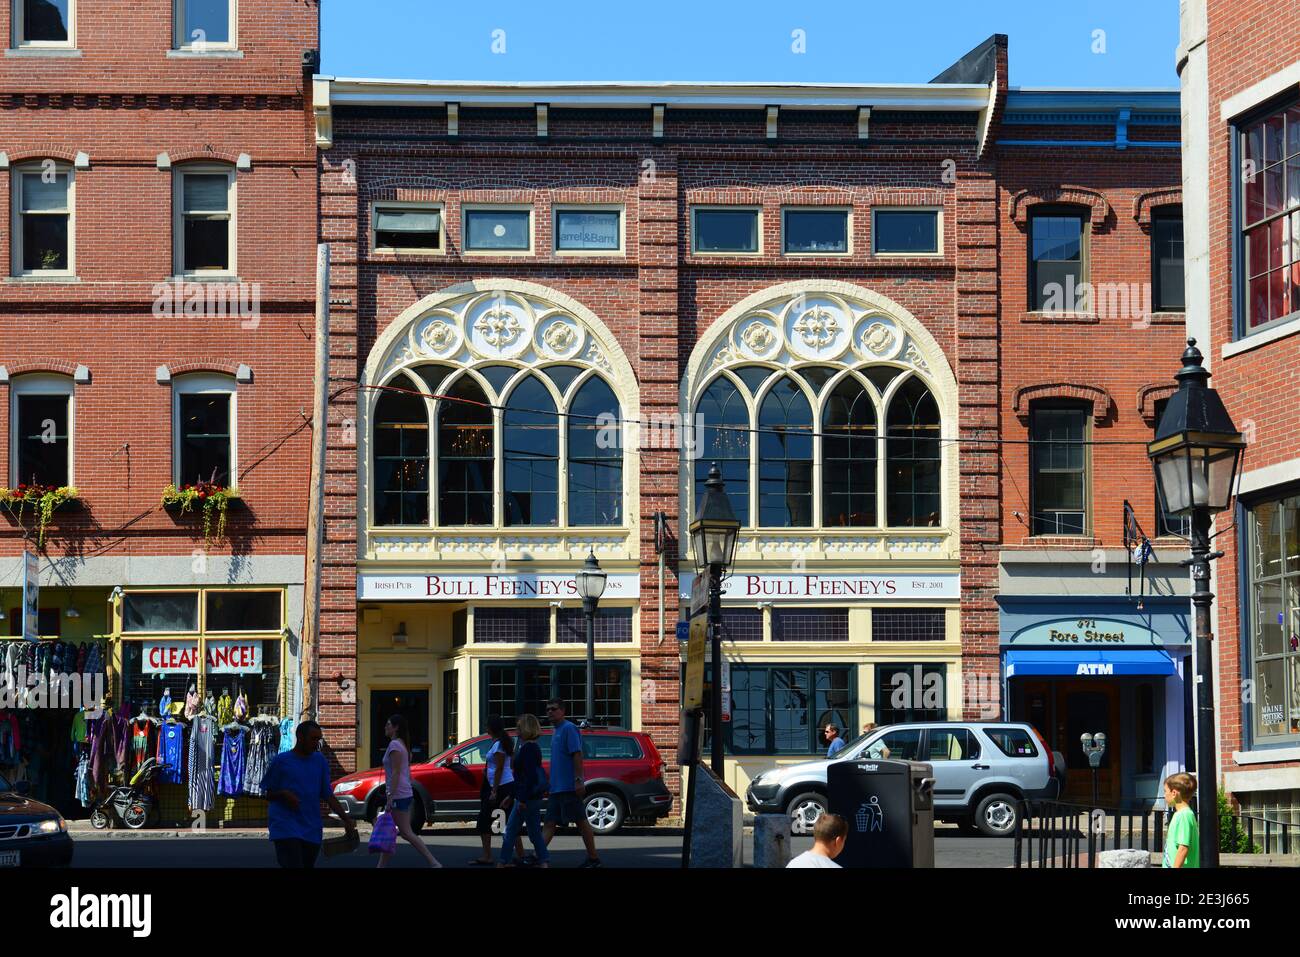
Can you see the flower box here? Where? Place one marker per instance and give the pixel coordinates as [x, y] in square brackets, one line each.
[211, 499]
[42, 500]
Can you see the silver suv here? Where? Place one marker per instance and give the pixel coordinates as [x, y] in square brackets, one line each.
[982, 771]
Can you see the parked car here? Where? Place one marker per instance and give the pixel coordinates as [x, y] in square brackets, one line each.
[623, 770]
[32, 834]
[982, 772]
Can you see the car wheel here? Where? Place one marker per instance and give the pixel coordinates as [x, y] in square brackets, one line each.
[417, 815]
[98, 819]
[804, 810]
[605, 811]
[997, 815]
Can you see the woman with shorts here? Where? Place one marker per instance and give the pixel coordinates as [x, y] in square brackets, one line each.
[397, 786]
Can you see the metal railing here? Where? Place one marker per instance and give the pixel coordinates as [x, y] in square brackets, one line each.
[1055, 834]
[1270, 836]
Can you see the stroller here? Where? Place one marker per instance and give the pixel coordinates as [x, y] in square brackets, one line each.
[134, 803]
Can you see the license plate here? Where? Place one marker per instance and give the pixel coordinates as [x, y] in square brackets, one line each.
[9, 858]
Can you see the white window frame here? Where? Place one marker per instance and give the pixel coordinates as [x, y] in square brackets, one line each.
[938, 231]
[468, 208]
[589, 208]
[20, 43]
[41, 383]
[16, 230]
[439, 208]
[848, 229]
[184, 43]
[202, 383]
[178, 222]
[732, 208]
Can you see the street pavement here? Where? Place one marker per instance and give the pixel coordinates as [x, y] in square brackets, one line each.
[454, 847]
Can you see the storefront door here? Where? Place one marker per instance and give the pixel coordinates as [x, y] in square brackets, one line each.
[414, 706]
[1065, 710]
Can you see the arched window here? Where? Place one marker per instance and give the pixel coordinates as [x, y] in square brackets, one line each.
[530, 456]
[848, 456]
[595, 456]
[465, 455]
[401, 456]
[912, 456]
[785, 458]
[724, 438]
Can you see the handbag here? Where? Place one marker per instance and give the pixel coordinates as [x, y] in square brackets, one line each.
[383, 839]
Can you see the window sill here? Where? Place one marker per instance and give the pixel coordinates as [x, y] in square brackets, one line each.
[1267, 755]
[43, 52]
[1287, 327]
[202, 277]
[1062, 317]
[1060, 541]
[205, 55]
[38, 280]
[1168, 318]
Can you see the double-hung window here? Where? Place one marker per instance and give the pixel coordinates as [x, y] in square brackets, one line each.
[1270, 217]
[41, 430]
[205, 430]
[204, 227]
[1057, 261]
[1059, 464]
[43, 234]
[1273, 611]
[1167, 262]
[44, 24]
[203, 26]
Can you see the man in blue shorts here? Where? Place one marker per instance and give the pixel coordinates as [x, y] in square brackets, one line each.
[295, 783]
[564, 806]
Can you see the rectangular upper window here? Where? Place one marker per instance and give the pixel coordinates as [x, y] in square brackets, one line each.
[1167, 262]
[242, 611]
[43, 228]
[43, 23]
[408, 228]
[42, 430]
[1270, 217]
[726, 230]
[588, 230]
[909, 232]
[815, 231]
[498, 230]
[1059, 469]
[204, 25]
[160, 611]
[204, 231]
[1056, 262]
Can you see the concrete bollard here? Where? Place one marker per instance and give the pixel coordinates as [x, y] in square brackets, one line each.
[771, 840]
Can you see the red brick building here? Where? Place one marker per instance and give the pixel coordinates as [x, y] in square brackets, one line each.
[1240, 70]
[826, 289]
[157, 170]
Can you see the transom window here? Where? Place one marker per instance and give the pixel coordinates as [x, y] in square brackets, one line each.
[408, 227]
[555, 431]
[41, 430]
[806, 442]
[905, 232]
[1270, 216]
[734, 230]
[498, 230]
[583, 230]
[43, 196]
[815, 231]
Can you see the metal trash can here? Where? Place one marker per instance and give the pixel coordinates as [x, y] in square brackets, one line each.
[889, 807]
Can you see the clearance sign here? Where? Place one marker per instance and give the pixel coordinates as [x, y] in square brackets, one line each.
[225, 657]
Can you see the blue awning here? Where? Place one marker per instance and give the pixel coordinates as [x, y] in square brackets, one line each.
[1088, 662]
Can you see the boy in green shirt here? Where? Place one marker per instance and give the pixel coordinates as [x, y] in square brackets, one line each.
[1183, 839]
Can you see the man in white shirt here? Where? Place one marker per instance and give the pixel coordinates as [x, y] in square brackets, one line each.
[829, 834]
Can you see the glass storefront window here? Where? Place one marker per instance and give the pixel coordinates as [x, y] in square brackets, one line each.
[242, 611]
[236, 666]
[160, 612]
[1273, 530]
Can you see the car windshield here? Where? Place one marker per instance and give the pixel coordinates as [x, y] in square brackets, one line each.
[856, 742]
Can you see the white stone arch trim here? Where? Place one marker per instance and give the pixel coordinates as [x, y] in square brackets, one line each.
[902, 341]
[396, 350]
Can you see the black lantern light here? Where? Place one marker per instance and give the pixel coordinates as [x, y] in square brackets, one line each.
[715, 529]
[1197, 449]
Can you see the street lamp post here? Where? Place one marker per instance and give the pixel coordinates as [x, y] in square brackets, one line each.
[591, 585]
[1195, 454]
[713, 541]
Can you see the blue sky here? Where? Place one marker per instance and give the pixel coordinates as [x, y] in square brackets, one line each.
[1053, 42]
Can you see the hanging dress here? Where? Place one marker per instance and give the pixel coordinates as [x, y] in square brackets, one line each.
[171, 752]
[202, 732]
[233, 754]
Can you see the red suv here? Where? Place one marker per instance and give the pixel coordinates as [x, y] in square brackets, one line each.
[624, 774]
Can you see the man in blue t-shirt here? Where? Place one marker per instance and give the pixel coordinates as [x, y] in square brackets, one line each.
[295, 783]
[836, 741]
[564, 806]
